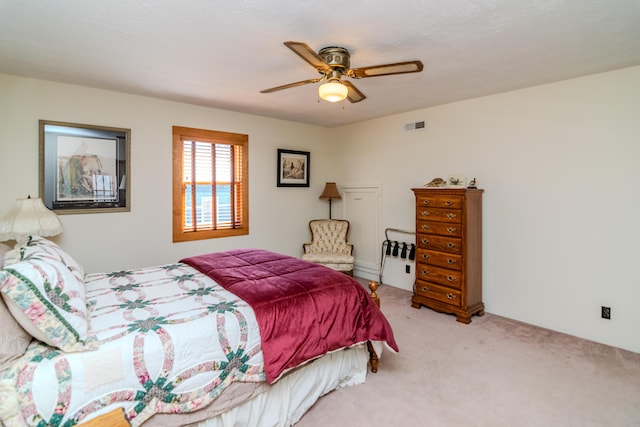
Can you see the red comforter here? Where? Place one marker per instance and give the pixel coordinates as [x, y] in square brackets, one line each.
[304, 310]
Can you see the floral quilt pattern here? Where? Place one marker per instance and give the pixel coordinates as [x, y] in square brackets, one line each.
[170, 341]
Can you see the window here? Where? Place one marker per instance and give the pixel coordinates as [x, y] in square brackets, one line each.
[210, 184]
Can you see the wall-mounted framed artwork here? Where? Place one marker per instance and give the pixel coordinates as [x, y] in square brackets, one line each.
[293, 168]
[84, 168]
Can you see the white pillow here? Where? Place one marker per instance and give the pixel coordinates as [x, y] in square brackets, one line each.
[37, 247]
[48, 301]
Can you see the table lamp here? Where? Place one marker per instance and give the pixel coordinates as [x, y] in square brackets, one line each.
[330, 192]
[30, 217]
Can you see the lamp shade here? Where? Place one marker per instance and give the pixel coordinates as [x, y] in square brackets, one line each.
[333, 91]
[30, 217]
[330, 191]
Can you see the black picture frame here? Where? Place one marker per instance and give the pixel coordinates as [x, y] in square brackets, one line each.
[84, 168]
[293, 168]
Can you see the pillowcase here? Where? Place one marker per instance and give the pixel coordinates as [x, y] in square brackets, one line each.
[3, 250]
[13, 339]
[37, 247]
[48, 301]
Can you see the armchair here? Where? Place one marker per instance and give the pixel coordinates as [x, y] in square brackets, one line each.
[329, 245]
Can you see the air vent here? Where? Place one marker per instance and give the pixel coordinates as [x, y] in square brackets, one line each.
[415, 126]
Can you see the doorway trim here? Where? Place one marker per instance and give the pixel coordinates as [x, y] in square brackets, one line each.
[366, 268]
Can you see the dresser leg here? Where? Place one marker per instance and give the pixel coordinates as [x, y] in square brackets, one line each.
[464, 319]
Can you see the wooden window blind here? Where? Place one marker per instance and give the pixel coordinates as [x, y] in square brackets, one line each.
[210, 191]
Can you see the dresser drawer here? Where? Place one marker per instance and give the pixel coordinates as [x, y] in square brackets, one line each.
[439, 201]
[439, 293]
[439, 275]
[441, 259]
[443, 215]
[441, 228]
[439, 243]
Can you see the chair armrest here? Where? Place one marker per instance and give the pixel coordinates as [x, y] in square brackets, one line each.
[350, 246]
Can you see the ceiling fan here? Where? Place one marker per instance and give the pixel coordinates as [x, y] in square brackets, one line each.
[333, 63]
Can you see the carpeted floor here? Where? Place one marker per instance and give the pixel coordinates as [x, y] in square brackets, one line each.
[493, 372]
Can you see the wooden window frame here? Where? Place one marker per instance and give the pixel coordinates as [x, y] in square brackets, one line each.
[181, 134]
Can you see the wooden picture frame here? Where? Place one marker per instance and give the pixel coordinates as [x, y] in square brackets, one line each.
[293, 168]
[84, 168]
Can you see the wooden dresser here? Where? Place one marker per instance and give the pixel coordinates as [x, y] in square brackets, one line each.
[449, 251]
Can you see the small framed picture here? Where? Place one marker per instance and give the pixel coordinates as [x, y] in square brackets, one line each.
[293, 168]
[457, 181]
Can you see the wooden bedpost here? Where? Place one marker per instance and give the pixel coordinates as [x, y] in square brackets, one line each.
[373, 357]
[373, 285]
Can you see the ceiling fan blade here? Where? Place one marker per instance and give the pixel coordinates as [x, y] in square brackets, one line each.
[354, 95]
[386, 69]
[306, 53]
[287, 86]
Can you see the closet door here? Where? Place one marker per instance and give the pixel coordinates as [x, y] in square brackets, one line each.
[362, 206]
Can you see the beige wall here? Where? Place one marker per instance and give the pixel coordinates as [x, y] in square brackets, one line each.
[559, 164]
[142, 237]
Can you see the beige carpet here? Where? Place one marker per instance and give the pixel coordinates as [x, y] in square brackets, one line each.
[492, 372]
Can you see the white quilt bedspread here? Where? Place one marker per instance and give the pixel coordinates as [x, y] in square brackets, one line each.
[170, 339]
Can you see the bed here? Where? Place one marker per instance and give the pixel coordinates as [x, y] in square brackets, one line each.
[242, 337]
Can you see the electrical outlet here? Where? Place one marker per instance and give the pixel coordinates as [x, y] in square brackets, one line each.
[606, 312]
[407, 269]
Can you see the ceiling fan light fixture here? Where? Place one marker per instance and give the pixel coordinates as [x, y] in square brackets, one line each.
[334, 63]
[333, 91]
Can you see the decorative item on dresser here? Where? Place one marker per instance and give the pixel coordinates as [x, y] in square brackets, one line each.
[449, 251]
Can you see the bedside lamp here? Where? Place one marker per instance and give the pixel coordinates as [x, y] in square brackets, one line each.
[330, 192]
[30, 217]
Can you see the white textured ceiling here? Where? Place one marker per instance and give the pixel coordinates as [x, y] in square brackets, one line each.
[221, 53]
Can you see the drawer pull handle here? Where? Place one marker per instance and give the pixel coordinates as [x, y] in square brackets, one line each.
[451, 215]
[424, 227]
[424, 256]
[425, 272]
[451, 229]
[451, 261]
[448, 203]
[425, 213]
[451, 245]
[425, 241]
[451, 296]
[451, 278]
[425, 289]
[426, 202]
